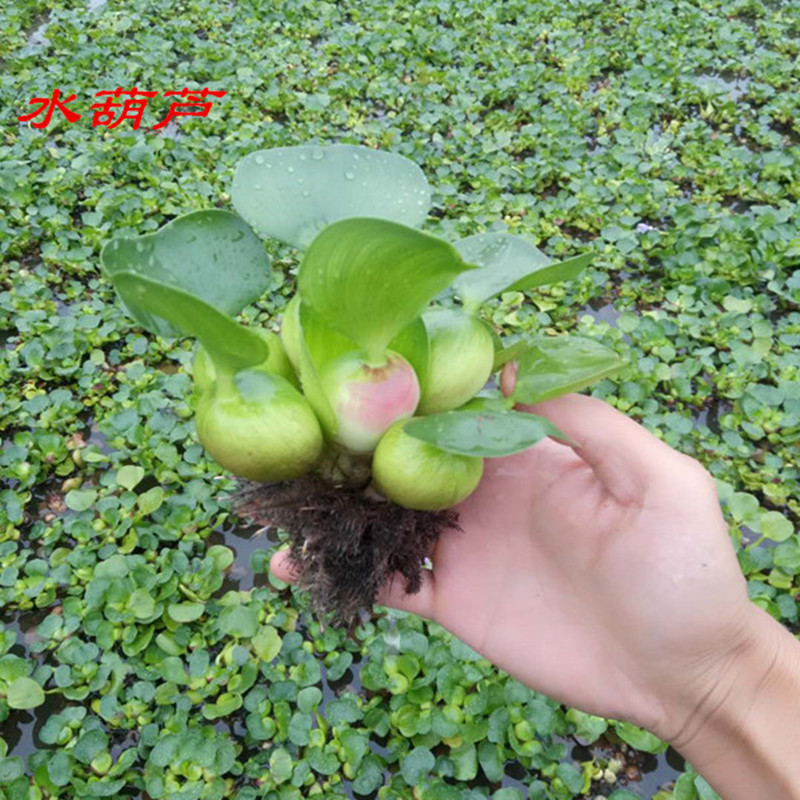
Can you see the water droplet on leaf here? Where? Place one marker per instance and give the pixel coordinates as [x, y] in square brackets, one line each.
[349, 175]
[259, 159]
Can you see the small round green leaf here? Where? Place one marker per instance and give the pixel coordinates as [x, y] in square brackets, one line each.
[129, 476]
[322, 761]
[281, 765]
[416, 765]
[639, 738]
[266, 643]
[308, 699]
[80, 499]
[775, 526]
[238, 621]
[151, 500]
[24, 693]
[11, 769]
[186, 612]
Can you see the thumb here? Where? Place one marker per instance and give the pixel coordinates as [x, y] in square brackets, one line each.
[393, 594]
[282, 566]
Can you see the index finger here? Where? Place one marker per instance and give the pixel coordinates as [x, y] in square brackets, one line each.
[624, 455]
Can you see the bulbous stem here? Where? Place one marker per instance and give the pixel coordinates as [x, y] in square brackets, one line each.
[376, 360]
[341, 468]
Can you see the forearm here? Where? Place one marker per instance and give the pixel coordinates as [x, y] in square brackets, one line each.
[744, 734]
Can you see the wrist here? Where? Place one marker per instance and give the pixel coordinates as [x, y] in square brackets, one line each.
[740, 724]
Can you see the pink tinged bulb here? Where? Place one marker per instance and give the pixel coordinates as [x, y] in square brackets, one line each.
[366, 400]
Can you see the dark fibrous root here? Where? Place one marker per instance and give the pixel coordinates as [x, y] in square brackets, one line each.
[344, 544]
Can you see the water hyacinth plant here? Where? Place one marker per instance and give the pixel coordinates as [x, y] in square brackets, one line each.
[371, 413]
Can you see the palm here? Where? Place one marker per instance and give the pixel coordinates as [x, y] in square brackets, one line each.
[565, 585]
[594, 579]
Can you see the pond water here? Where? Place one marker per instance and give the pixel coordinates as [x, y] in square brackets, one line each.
[645, 773]
[601, 312]
[37, 38]
[648, 774]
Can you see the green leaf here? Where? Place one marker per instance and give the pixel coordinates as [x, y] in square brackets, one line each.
[172, 670]
[24, 693]
[228, 343]
[355, 746]
[292, 193]
[486, 434]
[775, 526]
[186, 612]
[685, 788]
[211, 254]
[299, 729]
[266, 643]
[587, 726]
[370, 776]
[59, 768]
[491, 760]
[129, 476]
[553, 273]
[321, 761]
[80, 499]
[508, 793]
[513, 351]
[151, 500]
[465, 761]
[416, 765]
[281, 765]
[308, 699]
[744, 507]
[704, 790]
[323, 342]
[508, 263]
[104, 788]
[142, 604]
[639, 738]
[11, 769]
[571, 777]
[369, 278]
[225, 705]
[241, 621]
[552, 366]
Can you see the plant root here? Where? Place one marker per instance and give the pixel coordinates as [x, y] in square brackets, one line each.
[344, 542]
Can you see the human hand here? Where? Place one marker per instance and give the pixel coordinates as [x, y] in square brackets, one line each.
[582, 573]
[603, 576]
